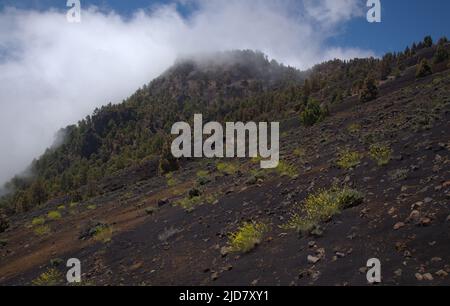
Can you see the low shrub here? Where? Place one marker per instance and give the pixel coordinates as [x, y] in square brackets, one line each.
[54, 215]
[247, 237]
[322, 206]
[381, 154]
[349, 159]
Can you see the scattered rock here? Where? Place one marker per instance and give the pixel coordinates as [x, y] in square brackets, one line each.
[227, 268]
[427, 277]
[214, 276]
[428, 200]
[363, 270]
[436, 259]
[441, 273]
[340, 255]
[224, 251]
[313, 259]
[398, 272]
[414, 216]
[425, 221]
[416, 205]
[399, 225]
[419, 277]
[312, 244]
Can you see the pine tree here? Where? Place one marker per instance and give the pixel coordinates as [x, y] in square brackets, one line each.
[167, 162]
[369, 91]
[428, 41]
[313, 113]
[37, 193]
[441, 54]
[423, 69]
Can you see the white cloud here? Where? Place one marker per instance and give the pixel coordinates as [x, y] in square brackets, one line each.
[53, 73]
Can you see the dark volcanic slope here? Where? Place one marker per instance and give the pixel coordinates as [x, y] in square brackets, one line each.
[145, 238]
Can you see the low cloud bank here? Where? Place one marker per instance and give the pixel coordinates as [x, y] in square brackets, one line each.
[53, 73]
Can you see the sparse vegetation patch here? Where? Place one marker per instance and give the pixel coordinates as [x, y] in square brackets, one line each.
[349, 159]
[54, 215]
[51, 277]
[322, 206]
[381, 154]
[247, 237]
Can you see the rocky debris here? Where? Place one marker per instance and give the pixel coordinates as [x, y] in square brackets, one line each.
[414, 216]
[340, 254]
[399, 225]
[441, 273]
[313, 274]
[224, 251]
[425, 221]
[417, 205]
[427, 200]
[313, 259]
[424, 277]
[214, 276]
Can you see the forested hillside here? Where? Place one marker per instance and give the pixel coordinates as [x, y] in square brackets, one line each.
[229, 86]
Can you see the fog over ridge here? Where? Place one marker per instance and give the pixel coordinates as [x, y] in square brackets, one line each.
[53, 73]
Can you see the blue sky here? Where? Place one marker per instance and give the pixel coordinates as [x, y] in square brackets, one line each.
[403, 21]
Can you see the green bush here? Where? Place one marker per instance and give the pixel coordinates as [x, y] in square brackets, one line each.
[423, 69]
[38, 221]
[322, 206]
[348, 159]
[247, 237]
[51, 277]
[226, 168]
[381, 154]
[313, 113]
[441, 55]
[54, 215]
[369, 91]
[42, 230]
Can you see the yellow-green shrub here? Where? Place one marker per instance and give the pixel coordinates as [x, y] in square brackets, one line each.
[348, 159]
[322, 206]
[381, 154]
[247, 237]
[227, 168]
[38, 221]
[51, 277]
[54, 215]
